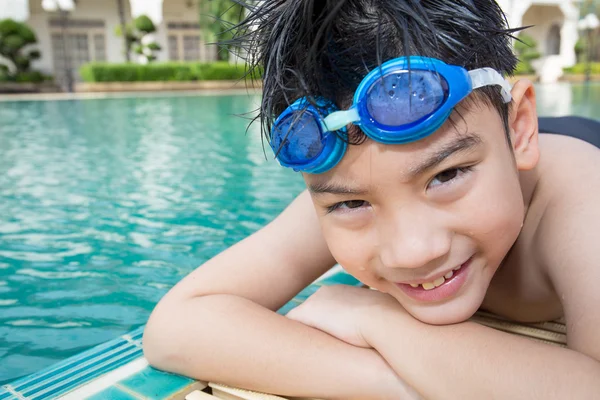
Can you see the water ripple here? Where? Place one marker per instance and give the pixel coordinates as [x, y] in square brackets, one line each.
[58, 275]
[105, 204]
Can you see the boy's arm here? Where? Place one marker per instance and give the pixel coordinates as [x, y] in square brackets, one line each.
[470, 361]
[218, 323]
[224, 338]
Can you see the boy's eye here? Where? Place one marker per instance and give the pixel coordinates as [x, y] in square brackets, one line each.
[449, 175]
[348, 205]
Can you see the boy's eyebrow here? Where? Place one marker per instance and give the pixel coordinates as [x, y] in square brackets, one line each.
[329, 187]
[460, 144]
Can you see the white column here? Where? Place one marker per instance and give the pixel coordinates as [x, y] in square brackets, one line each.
[54, 5]
[518, 10]
[569, 35]
[151, 8]
[15, 9]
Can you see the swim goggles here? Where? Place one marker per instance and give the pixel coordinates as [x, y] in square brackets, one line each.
[404, 100]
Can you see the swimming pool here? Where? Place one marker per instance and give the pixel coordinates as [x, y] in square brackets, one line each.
[105, 204]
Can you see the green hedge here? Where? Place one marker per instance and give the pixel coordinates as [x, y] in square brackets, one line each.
[169, 71]
[524, 68]
[581, 68]
[25, 77]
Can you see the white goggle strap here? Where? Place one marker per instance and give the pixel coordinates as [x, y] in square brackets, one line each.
[339, 119]
[490, 77]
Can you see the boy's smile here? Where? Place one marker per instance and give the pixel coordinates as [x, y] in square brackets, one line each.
[427, 222]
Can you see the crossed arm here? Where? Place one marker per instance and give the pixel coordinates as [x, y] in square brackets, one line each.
[228, 335]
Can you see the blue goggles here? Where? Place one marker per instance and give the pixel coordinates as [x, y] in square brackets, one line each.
[404, 100]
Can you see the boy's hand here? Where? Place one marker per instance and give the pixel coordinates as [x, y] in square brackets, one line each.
[342, 311]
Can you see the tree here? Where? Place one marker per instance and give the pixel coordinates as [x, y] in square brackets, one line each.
[136, 38]
[526, 49]
[217, 20]
[14, 38]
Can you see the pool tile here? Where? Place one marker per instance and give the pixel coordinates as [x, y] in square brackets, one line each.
[307, 292]
[5, 395]
[287, 308]
[157, 385]
[113, 393]
[340, 278]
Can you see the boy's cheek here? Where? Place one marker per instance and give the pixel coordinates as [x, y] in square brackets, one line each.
[353, 251]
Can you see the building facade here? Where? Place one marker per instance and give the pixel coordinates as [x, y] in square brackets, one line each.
[553, 24]
[87, 32]
[72, 33]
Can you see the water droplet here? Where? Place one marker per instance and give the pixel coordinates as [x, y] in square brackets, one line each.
[414, 94]
[421, 96]
[392, 93]
[394, 86]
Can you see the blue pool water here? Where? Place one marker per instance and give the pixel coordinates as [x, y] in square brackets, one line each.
[105, 204]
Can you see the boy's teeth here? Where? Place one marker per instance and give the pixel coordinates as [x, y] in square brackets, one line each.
[438, 282]
[431, 285]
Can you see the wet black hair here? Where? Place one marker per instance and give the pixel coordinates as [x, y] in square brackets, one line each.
[326, 47]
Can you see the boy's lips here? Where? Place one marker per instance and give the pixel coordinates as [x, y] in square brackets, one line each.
[439, 288]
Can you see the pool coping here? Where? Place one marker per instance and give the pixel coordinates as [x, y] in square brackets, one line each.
[104, 366]
[6, 98]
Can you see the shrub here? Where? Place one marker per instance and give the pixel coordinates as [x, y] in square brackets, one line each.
[169, 71]
[524, 68]
[526, 50]
[581, 68]
[14, 37]
[30, 77]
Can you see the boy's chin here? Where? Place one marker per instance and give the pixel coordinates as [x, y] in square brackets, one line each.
[453, 312]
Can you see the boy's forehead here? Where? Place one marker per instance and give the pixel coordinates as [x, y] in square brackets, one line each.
[406, 161]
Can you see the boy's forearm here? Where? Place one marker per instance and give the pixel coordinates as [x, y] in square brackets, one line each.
[470, 361]
[228, 339]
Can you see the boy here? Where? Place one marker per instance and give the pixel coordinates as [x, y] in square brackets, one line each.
[431, 186]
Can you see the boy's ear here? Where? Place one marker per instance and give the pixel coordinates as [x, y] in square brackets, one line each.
[523, 124]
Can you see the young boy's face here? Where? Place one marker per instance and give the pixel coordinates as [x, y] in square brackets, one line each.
[396, 215]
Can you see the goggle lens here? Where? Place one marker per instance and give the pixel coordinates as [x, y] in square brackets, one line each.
[301, 136]
[406, 97]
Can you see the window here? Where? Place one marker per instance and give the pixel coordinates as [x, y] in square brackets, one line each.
[553, 40]
[173, 47]
[85, 42]
[185, 43]
[191, 47]
[99, 48]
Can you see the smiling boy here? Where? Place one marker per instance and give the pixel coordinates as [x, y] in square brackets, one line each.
[428, 181]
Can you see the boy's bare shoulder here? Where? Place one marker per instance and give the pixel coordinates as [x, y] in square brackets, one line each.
[567, 237]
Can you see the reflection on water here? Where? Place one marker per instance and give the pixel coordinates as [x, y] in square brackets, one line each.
[562, 98]
[105, 204]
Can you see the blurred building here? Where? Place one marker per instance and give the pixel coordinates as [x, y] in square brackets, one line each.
[553, 26]
[89, 27]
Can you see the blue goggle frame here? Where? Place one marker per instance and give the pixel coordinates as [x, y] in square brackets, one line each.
[314, 139]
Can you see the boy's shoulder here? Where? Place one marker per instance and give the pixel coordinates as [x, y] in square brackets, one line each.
[565, 240]
[566, 200]
[560, 234]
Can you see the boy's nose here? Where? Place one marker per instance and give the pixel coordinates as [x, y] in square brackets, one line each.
[413, 241]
